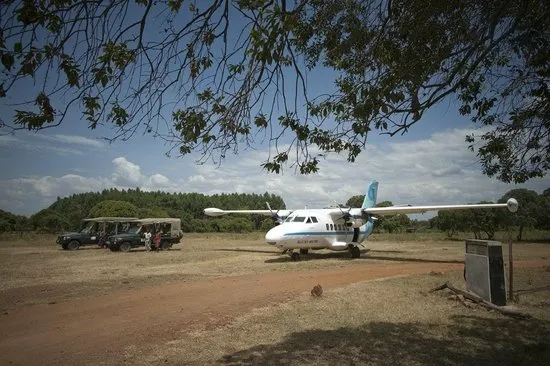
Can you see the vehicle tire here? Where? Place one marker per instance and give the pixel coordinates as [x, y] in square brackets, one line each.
[355, 252]
[73, 245]
[165, 246]
[295, 256]
[64, 246]
[304, 251]
[113, 249]
[125, 247]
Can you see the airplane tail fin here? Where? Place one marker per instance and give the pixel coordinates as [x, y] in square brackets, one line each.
[370, 196]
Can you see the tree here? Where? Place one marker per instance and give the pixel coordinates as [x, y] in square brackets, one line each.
[526, 214]
[152, 212]
[395, 223]
[49, 220]
[355, 201]
[483, 220]
[451, 222]
[235, 224]
[110, 208]
[11, 222]
[543, 212]
[218, 73]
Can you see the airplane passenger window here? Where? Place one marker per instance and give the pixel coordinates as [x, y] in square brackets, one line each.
[314, 219]
[327, 227]
[331, 227]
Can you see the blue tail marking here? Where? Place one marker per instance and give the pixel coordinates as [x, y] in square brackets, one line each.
[370, 196]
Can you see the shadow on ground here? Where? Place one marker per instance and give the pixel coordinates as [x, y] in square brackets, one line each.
[468, 340]
[365, 255]
[417, 260]
[246, 250]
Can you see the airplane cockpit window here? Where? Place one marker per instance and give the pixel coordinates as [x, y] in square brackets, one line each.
[313, 219]
[308, 221]
[299, 219]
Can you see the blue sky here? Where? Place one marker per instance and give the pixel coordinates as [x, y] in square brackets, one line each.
[429, 165]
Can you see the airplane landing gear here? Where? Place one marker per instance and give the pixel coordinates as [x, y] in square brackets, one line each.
[295, 256]
[355, 252]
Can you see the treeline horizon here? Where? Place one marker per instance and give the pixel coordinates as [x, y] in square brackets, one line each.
[66, 214]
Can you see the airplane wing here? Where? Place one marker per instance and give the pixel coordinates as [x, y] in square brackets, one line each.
[511, 205]
[219, 212]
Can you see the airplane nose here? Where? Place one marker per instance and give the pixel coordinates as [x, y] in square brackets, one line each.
[272, 236]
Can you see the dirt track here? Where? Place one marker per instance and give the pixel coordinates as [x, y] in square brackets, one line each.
[97, 330]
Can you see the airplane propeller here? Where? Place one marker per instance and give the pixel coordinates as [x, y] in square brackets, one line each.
[346, 216]
[275, 216]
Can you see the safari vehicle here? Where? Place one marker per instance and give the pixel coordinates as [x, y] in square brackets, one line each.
[92, 230]
[134, 237]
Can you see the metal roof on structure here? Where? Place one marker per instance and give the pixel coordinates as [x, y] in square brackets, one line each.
[158, 220]
[112, 219]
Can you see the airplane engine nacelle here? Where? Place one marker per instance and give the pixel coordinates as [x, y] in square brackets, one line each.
[355, 223]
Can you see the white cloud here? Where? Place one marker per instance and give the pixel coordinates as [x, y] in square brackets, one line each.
[438, 170]
[78, 140]
[159, 180]
[14, 142]
[38, 143]
[28, 195]
[6, 140]
[126, 172]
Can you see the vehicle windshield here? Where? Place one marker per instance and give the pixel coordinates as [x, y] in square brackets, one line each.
[86, 229]
[133, 229]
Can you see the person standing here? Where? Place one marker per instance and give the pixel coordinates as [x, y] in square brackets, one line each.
[156, 241]
[102, 240]
[148, 240]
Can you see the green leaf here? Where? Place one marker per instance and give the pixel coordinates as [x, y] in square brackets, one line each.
[260, 121]
[175, 5]
[7, 60]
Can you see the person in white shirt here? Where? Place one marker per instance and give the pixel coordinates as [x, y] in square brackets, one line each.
[148, 240]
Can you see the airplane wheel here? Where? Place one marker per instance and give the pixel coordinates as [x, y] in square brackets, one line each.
[295, 256]
[355, 252]
[303, 251]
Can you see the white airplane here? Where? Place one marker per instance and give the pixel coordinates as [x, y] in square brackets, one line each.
[337, 228]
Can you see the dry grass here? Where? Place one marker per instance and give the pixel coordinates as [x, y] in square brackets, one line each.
[35, 270]
[392, 321]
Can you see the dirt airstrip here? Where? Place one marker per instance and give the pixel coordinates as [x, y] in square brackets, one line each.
[96, 329]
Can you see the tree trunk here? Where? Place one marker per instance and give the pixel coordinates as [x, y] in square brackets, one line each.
[520, 233]
[478, 300]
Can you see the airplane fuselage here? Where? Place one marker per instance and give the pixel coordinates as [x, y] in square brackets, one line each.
[316, 229]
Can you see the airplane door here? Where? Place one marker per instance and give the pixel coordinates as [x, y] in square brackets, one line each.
[355, 234]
